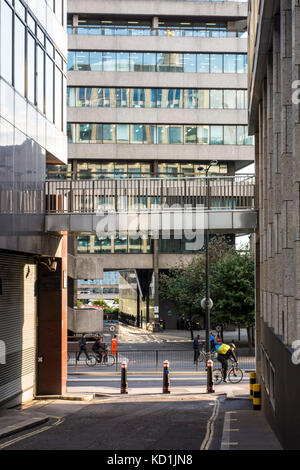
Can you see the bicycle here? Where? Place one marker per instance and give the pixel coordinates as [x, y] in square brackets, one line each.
[202, 355]
[109, 360]
[235, 374]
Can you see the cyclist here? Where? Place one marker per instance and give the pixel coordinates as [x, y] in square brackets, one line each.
[99, 348]
[225, 352]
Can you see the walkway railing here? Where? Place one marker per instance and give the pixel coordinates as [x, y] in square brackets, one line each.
[121, 195]
[143, 361]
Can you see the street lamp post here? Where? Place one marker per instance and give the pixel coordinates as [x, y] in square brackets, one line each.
[207, 286]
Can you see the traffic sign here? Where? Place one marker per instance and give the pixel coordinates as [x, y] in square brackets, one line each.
[203, 303]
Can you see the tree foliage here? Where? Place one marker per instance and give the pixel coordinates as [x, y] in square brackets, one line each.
[231, 277]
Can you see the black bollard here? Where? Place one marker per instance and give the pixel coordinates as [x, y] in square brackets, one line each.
[166, 378]
[124, 383]
[210, 383]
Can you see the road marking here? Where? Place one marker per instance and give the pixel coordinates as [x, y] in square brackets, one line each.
[210, 427]
[33, 433]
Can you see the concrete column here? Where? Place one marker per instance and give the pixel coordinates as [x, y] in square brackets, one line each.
[52, 326]
[287, 170]
[75, 24]
[296, 161]
[276, 176]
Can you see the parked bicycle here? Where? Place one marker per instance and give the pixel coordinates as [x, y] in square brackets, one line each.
[107, 361]
[235, 374]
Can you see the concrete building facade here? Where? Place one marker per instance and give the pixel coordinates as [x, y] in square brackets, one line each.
[155, 88]
[33, 54]
[274, 120]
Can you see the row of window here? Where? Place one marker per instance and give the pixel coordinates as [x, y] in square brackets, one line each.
[91, 170]
[158, 134]
[110, 61]
[92, 26]
[31, 64]
[157, 98]
[127, 244]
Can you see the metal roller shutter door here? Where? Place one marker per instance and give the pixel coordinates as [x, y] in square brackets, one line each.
[18, 308]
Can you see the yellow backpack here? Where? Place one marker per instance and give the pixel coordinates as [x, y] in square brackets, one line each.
[223, 348]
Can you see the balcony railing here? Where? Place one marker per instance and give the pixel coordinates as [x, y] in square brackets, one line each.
[141, 194]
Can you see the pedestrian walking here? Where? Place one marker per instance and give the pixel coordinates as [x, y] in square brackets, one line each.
[82, 346]
[196, 346]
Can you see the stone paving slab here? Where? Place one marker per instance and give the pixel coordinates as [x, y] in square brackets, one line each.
[248, 430]
[13, 421]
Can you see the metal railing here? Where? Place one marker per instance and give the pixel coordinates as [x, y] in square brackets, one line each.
[152, 361]
[108, 195]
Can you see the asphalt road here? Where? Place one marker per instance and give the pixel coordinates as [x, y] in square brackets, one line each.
[132, 423]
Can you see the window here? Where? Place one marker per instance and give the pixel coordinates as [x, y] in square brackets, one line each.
[190, 134]
[240, 135]
[174, 98]
[241, 99]
[203, 134]
[137, 134]
[241, 63]
[58, 98]
[85, 132]
[230, 135]
[230, 99]
[203, 63]
[96, 134]
[82, 61]
[31, 68]
[109, 133]
[190, 63]
[40, 78]
[229, 63]
[162, 134]
[122, 133]
[96, 61]
[137, 98]
[6, 32]
[109, 61]
[149, 62]
[71, 60]
[136, 61]
[203, 99]
[216, 135]
[163, 62]
[49, 89]
[216, 99]
[175, 135]
[191, 98]
[19, 63]
[123, 61]
[122, 97]
[216, 63]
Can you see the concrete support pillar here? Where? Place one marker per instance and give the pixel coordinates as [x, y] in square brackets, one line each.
[276, 176]
[75, 24]
[52, 326]
[296, 159]
[287, 171]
